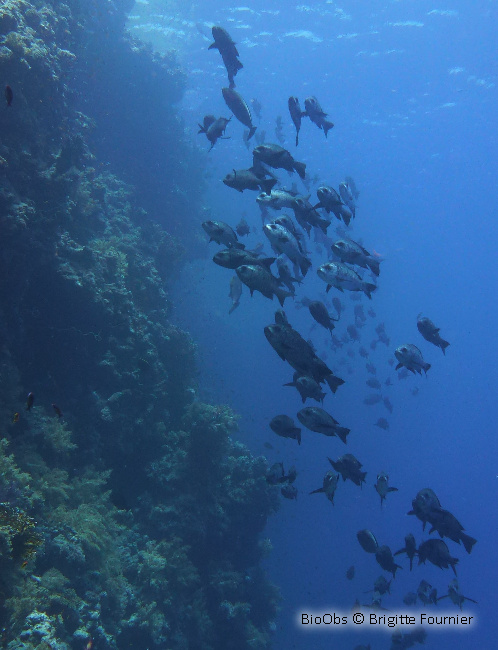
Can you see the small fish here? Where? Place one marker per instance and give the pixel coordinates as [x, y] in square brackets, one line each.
[330, 481]
[437, 552]
[296, 115]
[350, 573]
[214, 128]
[340, 276]
[15, 419]
[226, 47]
[257, 278]
[387, 404]
[30, 401]
[314, 111]
[431, 333]
[57, 410]
[279, 158]
[242, 228]
[367, 540]
[455, 596]
[382, 423]
[410, 548]
[409, 356]
[9, 95]
[385, 558]
[373, 383]
[382, 486]
[283, 426]
[239, 108]
[257, 108]
[372, 399]
[410, 598]
[289, 491]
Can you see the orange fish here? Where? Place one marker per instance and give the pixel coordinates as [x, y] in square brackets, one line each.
[15, 418]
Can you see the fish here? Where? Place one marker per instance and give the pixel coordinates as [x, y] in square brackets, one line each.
[410, 548]
[410, 357]
[359, 316]
[307, 387]
[371, 368]
[350, 573]
[289, 491]
[410, 598]
[283, 241]
[249, 179]
[349, 467]
[373, 383]
[382, 586]
[276, 474]
[235, 293]
[338, 306]
[330, 481]
[426, 593]
[279, 133]
[313, 110]
[228, 50]
[351, 252]
[363, 353]
[276, 199]
[57, 410]
[340, 276]
[283, 426]
[387, 404]
[316, 419]
[296, 115]
[237, 104]
[425, 505]
[30, 400]
[221, 233]
[307, 216]
[431, 333]
[330, 201]
[352, 186]
[9, 95]
[242, 228]
[382, 486]
[367, 540]
[347, 197]
[455, 596]
[257, 108]
[353, 333]
[382, 423]
[438, 553]
[214, 128]
[279, 158]
[320, 313]
[15, 418]
[372, 399]
[286, 276]
[384, 557]
[257, 278]
[447, 525]
[231, 258]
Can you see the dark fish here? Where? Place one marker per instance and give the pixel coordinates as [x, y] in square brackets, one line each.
[257, 108]
[283, 426]
[350, 573]
[221, 233]
[213, 128]
[370, 400]
[15, 418]
[257, 278]
[455, 596]
[268, 445]
[330, 481]
[9, 95]
[296, 114]
[279, 158]
[447, 525]
[57, 410]
[367, 540]
[387, 404]
[371, 368]
[373, 383]
[289, 491]
[330, 201]
[226, 47]
[436, 551]
[249, 179]
[340, 276]
[384, 557]
[279, 133]
[276, 474]
[424, 505]
[363, 353]
[410, 598]
[284, 242]
[371, 313]
[231, 258]
[410, 548]
[318, 420]
[382, 423]
[431, 333]
[239, 108]
[409, 356]
[313, 110]
[353, 333]
[382, 486]
[352, 186]
[321, 315]
[30, 401]
[349, 467]
[307, 387]
[338, 306]
[286, 276]
[426, 593]
[242, 228]
[351, 252]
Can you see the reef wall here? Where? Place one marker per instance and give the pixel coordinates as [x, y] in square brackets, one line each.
[129, 518]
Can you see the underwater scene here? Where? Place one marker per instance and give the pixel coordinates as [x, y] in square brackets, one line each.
[248, 365]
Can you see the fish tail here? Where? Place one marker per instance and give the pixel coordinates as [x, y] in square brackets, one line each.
[368, 288]
[304, 265]
[201, 128]
[342, 433]
[334, 382]
[327, 126]
[467, 541]
[297, 139]
[213, 46]
[426, 367]
[300, 168]
[298, 435]
[282, 295]
[444, 345]
[267, 185]
[374, 266]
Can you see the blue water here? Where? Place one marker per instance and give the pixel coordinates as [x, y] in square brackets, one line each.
[411, 88]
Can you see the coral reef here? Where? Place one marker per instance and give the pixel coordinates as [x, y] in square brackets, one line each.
[129, 517]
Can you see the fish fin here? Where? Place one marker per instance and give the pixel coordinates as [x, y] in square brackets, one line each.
[267, 262]
[252, 131]
[426, 367]
[342, 433]
[239, 245]
[444, 345]
[304, 265]
[282, 295]
[201, 128]
[267, 185]
[317, 491]
[324, 224]
[291, 383]
[233, 307]
[392, 489]
[368, 288]
[400, 365]
[374, 266]
[213, 46]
